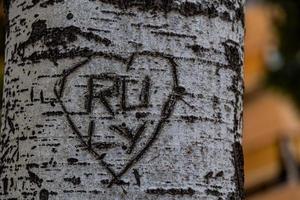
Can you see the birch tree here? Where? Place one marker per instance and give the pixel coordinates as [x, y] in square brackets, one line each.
[122, 99]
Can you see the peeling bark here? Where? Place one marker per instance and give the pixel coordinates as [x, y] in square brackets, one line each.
[124, 99]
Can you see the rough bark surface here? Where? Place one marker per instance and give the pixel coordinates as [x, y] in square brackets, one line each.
[124, 99]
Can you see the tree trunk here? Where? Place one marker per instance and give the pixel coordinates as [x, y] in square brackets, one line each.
[124, 99]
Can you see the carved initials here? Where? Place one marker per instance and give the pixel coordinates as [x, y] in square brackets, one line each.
[118, 88]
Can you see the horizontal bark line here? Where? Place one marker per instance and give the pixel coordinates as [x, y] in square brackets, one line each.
[172, 191]
[42, 4]
[186, 8]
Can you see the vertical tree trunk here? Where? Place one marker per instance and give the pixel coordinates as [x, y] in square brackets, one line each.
[124, 99]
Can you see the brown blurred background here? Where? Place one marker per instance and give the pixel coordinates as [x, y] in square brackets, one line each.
[271, 106]
[272, 99]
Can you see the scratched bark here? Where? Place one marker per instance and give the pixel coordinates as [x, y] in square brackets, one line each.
[124, 99]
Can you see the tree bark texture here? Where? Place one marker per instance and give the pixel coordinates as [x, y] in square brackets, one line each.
[122, 99]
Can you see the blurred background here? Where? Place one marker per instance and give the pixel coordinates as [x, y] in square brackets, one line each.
[272, 98]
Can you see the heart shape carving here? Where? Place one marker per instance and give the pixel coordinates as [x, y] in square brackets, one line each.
[120, 104]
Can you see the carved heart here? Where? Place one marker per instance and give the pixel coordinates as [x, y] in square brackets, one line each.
[121, 105]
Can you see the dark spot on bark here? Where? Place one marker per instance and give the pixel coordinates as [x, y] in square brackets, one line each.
[180, 90]
[44, 194]
[208, 176]
[22, 22]
[35, 179]
[32, 165]
[70, 16]
[74, 180]
[197, 49]
[118, 182]
[220, 174]
[140, 115]
[105, 181]
[72, 161]
[213, 192]
[172, 191]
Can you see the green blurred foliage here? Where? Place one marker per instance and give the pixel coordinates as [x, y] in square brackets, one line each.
[287, 76]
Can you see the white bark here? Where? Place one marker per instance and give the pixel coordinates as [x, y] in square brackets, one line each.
[127, 99]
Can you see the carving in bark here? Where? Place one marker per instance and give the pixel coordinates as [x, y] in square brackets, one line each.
[124, 99]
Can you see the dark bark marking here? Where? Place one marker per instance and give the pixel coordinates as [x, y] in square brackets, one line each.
[35, 179]
[220, 174]
[137, 177]
[11, 125]
[5, 185]
[119, 182]
[197, 49]
[72, 161]
[208, 176]
[136, 137]
[140, 115]
[32, 165]
[186, 8]
[238, 162]
[53, 38]
[44, 4]
[90, 133]
[233, 56]
[42, 96]
[70, 16]
[73, 180]
[44, 194]
[172, 34]
[172, 191]
[50, 2]
[213, 192]
[235, 63]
